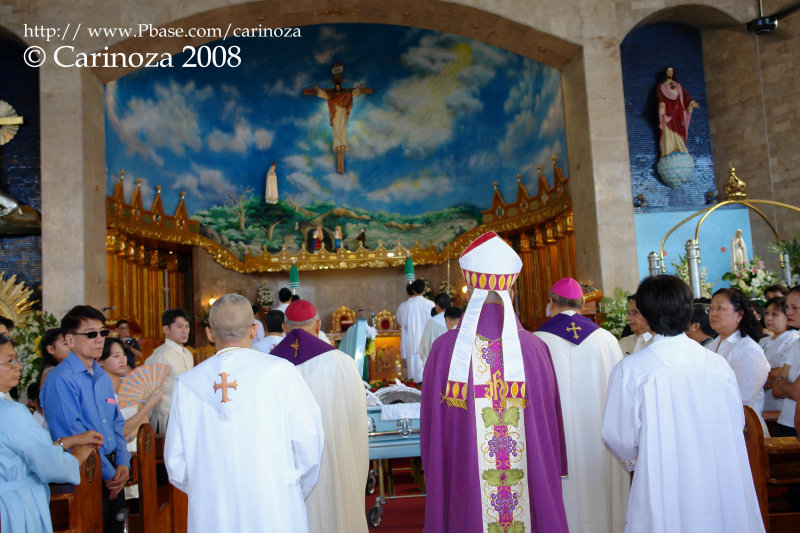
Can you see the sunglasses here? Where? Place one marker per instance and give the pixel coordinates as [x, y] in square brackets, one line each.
[93, 334]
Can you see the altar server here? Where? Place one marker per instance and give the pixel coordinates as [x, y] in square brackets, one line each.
[336, 505]
[596, 490]
[491, 432]
[412, 319]
[245, 438]
[674, 414]
[435, 326]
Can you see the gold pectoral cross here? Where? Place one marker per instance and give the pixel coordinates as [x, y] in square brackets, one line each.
[574, 329]
[225, 385]
[296, 345]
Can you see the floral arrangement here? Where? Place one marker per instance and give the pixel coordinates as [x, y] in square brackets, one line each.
[376, 384]
[682, 271]
[264, 296]
[448, 289]
[615, 310]
[26, 337]
[752, 279]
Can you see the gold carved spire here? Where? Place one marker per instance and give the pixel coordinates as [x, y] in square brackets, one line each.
[735, 186]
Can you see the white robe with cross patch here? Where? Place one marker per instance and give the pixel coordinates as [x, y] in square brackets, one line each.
[249, 463]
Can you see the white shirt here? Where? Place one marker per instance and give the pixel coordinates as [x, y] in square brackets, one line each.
[775, 350]
[282, 307]
[749, 364]
[260, 334]
[268, 343]
[179, 360]
[434, 328]
[634, 343]
[786, 417]
[249, 462]
[596, 490]
[674, 411]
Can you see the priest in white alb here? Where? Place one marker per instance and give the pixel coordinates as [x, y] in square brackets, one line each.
[435, 326]
[245, 438]
[596, 490]
[412, 320]
[336, 505]
[674, 417]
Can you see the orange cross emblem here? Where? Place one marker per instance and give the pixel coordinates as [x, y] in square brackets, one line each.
[225, 385]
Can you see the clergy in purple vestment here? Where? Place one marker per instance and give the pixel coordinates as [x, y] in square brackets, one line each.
[491, 435]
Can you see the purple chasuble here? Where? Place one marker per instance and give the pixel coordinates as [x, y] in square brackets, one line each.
[573, 328]
[300, 346]
[448, 437]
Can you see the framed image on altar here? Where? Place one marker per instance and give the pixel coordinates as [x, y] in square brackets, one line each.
[386, 362]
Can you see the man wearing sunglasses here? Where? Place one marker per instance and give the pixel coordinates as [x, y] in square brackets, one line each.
[78, 396]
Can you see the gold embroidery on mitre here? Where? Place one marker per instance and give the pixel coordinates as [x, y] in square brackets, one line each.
[482, 281]
[492, 281]
[501, 283]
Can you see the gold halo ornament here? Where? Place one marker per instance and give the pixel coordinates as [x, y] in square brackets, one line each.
[9, 122]
[15, 298]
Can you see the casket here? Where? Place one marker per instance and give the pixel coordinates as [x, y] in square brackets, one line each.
[394, 431]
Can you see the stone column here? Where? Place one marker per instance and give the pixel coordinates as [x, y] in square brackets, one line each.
[73, 189]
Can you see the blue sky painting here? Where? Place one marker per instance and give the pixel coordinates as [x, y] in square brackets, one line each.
[448, 116]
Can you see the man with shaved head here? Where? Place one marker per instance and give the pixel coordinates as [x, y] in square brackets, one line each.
[245, 437]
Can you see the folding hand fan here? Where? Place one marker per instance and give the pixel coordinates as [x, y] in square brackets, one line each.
[140, 383]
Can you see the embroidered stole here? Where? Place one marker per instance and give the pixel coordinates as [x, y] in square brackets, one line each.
[502, 449]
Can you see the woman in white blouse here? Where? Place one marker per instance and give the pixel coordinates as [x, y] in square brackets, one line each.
[776, 346]
[732, 318]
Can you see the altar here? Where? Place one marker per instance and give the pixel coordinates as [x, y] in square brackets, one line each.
[158, 259]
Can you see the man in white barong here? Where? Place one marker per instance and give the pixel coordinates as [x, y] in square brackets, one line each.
[674, 415]
[336, 505]
[640, 332]
[596, 490]
[245, 438]
[435, 326]
[412, 320]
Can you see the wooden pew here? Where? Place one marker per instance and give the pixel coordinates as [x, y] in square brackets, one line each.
[774, 461]
[79, 508]
[178, 500]
[153, 517]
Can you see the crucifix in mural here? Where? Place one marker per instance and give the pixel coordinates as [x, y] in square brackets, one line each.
[340, 102]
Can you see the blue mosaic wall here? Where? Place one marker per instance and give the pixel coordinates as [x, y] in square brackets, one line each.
[646, 52]
[20, 166]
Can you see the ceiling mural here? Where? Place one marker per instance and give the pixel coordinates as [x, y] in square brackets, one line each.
[266, 152]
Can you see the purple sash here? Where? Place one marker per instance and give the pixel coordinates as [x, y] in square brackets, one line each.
[573, 328]
[300, 346]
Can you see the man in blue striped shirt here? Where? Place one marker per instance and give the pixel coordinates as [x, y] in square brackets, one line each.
[78, 396]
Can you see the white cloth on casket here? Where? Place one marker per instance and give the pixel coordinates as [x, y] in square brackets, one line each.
[596, 490]
[416, 313]
[674, 411]
[434, 328]
[248, 463]
[337, 502]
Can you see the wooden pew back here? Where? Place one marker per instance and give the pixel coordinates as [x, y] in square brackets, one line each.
[79, 508]
[152, 516]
